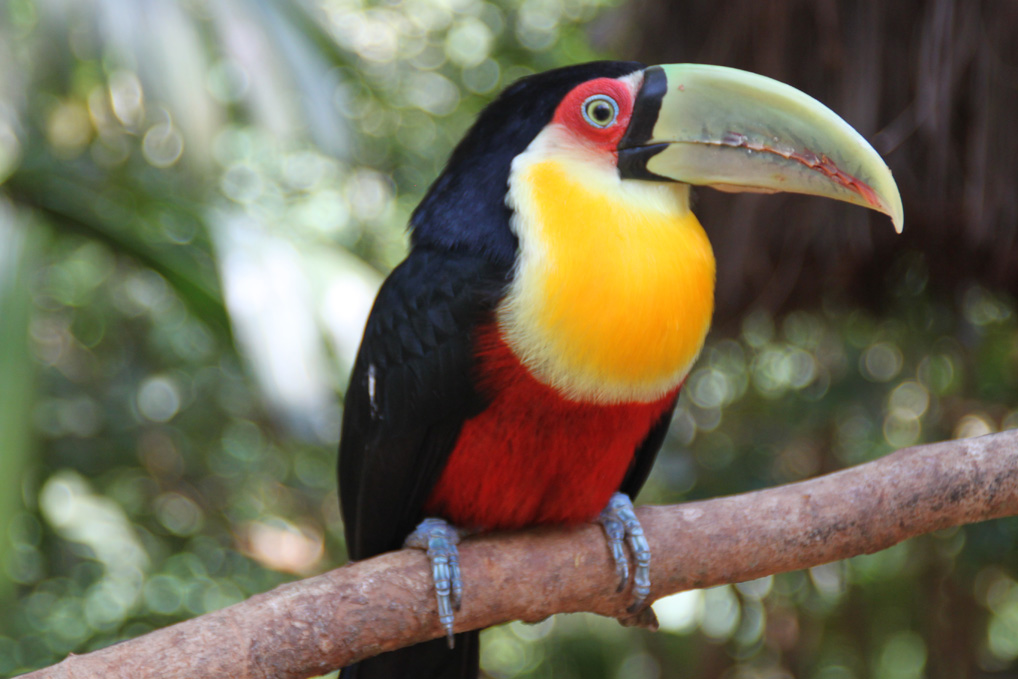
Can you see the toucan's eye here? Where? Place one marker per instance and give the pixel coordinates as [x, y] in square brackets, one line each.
[600, 110]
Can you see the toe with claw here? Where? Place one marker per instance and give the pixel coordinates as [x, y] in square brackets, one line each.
[621, 525]
[439, 539]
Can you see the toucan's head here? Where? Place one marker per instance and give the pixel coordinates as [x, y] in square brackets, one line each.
[688, 123]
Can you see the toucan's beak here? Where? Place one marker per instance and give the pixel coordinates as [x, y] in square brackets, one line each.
[738, 131]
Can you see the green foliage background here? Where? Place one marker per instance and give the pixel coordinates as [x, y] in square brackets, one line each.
[197, 202]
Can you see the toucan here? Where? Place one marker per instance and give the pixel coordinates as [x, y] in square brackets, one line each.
[521, 365]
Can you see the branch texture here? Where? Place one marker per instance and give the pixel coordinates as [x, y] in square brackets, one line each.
[315, 625]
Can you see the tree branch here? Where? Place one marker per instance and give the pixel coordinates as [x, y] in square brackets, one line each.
[310, 627]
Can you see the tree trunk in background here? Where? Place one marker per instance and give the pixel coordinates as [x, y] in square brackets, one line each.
[933, 84]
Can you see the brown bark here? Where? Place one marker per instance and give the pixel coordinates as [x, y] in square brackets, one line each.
[315, 625]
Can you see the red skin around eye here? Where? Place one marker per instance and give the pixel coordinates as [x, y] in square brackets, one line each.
[569, 113]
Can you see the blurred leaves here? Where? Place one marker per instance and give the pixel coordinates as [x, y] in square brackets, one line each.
[197, 204]
[20, 249]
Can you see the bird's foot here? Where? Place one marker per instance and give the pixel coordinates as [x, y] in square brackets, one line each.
[620, 525]
[439, 539]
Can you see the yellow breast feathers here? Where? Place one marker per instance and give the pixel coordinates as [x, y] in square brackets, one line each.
[614, 286]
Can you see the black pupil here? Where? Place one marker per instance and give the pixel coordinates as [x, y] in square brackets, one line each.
[601, 112]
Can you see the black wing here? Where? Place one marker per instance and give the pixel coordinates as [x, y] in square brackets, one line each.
[646, 453]
[410, 392]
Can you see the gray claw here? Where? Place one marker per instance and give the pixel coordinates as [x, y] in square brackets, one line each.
[616, 534]
[645, 618]
[440, 540]
[620, 523]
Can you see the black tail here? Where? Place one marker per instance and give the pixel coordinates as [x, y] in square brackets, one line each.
[430, 660]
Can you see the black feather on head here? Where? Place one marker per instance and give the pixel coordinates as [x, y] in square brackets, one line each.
[465, 208]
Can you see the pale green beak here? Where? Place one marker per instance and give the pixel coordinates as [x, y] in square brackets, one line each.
[738, 131]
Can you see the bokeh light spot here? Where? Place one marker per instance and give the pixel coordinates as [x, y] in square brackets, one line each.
[881, 361]
[973, 425]
[159, 398]
[468, 43]
[127, 98]
[179, 514]
[903, 656]
[721, 612]
[162, 145]
[639, 666]
[680, 613]
[909, 400]
[69, 128]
